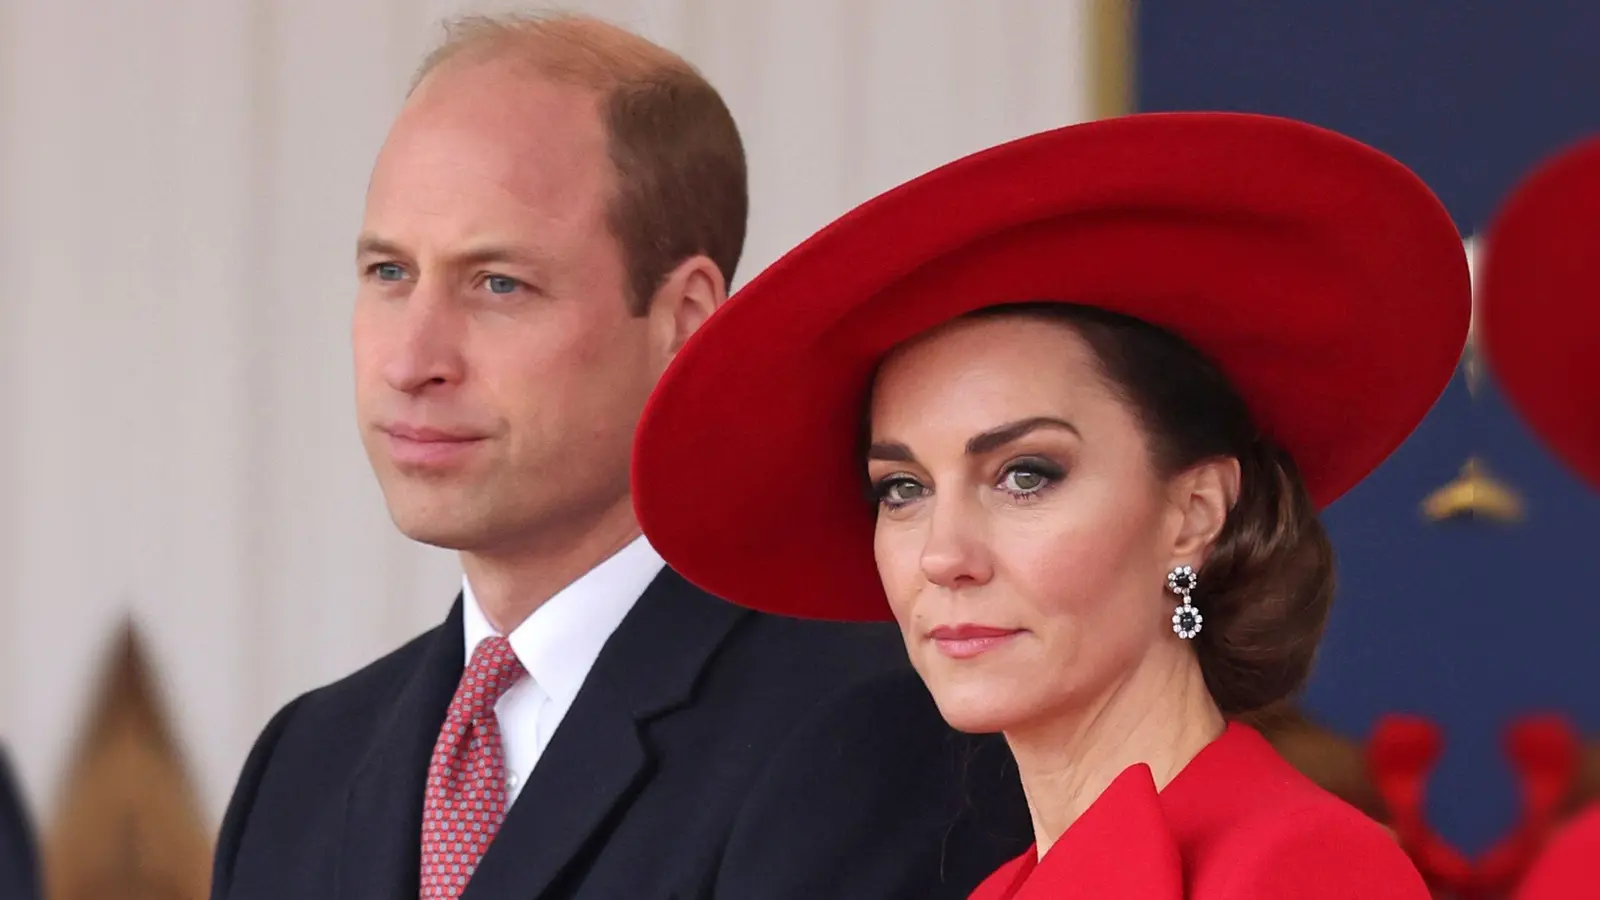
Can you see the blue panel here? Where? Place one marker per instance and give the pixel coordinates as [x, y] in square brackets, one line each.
[1469, 623]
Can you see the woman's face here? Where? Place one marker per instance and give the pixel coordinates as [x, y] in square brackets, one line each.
[1023, 535]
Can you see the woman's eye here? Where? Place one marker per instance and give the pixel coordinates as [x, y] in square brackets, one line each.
[1025, 480]
[899, 491]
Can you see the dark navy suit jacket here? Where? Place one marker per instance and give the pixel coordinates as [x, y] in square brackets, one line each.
[712, 752]
[19, 872]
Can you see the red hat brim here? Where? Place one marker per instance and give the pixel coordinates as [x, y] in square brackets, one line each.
[1323, 277]
[1539, 304]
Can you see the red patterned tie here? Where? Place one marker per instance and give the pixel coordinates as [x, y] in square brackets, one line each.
[466, 797]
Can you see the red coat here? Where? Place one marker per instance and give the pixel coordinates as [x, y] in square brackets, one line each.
[1569, 866]
[1238, 823]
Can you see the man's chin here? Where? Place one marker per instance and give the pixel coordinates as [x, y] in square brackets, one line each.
[444, 532]
[443, 541]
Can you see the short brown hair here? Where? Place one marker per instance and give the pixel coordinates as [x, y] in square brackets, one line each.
[1267, 585]
[682, 187]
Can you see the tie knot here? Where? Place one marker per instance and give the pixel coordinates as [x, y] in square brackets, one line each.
[494, 667]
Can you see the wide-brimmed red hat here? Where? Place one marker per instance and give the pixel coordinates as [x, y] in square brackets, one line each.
[1539, 304]
[1324, 278]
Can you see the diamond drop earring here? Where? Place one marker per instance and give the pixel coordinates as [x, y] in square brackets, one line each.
[1185, 618]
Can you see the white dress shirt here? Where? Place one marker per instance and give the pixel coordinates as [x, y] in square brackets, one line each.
[558, 645]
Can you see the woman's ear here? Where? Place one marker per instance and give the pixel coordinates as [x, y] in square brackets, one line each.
[1203, 495]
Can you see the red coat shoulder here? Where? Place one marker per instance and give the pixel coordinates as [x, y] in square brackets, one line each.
[1253, 826]
[1238, 823]
[1318, 849]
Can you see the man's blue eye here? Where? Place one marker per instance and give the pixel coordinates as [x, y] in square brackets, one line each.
[500, 284]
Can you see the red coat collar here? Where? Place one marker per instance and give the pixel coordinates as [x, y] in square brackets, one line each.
[1128, 843]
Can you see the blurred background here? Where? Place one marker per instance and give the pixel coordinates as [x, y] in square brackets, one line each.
[189, 533]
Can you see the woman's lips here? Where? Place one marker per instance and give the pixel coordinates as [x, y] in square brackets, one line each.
[968, 641]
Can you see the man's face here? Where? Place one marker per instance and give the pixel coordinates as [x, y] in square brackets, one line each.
[499, 372]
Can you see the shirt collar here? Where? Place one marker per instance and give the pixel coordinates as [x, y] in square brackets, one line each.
[560, 641]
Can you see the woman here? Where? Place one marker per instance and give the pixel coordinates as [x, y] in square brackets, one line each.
[1065, 410]
[1539, 316]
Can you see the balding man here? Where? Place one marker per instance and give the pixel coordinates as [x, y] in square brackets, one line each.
[559, 205]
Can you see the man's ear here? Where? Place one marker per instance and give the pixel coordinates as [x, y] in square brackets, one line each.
[690, 293]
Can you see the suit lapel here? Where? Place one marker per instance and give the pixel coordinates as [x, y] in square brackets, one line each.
[597, 760]
[381, 856]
